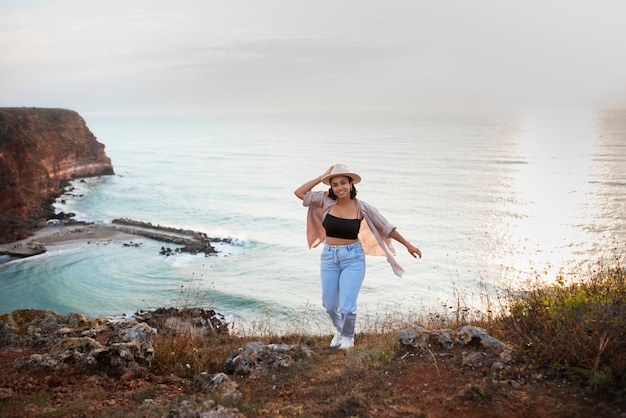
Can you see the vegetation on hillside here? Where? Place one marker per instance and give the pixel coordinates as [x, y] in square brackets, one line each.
[571, 330]
[569, 336]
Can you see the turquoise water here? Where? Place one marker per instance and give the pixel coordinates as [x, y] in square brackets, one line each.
[488, 197]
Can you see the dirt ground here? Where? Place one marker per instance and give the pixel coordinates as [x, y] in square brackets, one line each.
[330, 384]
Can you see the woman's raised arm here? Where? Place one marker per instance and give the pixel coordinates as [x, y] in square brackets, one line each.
[308, 186]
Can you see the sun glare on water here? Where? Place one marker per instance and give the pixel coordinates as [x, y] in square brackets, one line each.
[553, 192]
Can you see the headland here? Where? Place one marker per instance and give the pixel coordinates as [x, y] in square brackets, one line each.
[41, 150]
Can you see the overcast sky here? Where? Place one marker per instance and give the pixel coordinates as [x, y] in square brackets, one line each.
[256, 55]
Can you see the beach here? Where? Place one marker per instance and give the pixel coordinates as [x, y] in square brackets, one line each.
[119, 230]
[66, 234]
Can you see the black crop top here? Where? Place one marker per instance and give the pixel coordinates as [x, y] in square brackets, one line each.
[341, 228]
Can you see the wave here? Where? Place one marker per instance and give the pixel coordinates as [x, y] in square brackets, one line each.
[608, 183]
[6, 261]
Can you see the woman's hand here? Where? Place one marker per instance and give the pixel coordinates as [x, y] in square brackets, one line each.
[306, 187]
[414, 251]
[330, 170]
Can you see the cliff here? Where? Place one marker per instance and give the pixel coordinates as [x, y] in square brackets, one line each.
[40, 151]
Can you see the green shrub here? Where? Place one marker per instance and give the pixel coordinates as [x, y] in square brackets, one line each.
[576, 328]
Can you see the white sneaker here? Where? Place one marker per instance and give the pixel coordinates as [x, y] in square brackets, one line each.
[346, 342]
[336, 339]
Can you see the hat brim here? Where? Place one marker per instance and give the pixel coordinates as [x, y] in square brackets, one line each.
[355, 177]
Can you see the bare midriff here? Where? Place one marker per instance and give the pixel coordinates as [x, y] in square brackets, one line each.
[340, 241]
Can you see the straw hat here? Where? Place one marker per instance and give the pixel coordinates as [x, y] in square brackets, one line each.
[341, 170]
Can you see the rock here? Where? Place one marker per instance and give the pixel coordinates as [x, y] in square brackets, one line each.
[193, 242]
[257, 355]
[197, 407]
[468, 335]
[75, 351]
[6, 393]
[218, 383]
[414, 337]
[483, 351]
[40, 328]
[443, 338]
[418, 337]
[507, 355]
[506, 384]
[191, 321]
[73, 339]
[473, 359]
[40, 151]
[470, 392]
[131, 349]
[44, 361]
[496, 368]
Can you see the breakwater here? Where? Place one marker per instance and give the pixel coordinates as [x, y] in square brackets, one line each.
[193, 242]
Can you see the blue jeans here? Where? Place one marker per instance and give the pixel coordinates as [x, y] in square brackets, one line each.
[342, 272]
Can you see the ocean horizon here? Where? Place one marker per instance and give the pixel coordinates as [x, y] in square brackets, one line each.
[490, 198]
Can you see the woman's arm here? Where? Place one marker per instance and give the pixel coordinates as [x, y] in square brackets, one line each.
[308, 186]
[413, 250]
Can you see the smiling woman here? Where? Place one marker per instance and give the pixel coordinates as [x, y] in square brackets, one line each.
[350, 229]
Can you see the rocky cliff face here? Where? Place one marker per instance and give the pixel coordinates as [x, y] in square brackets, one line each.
[40, 150]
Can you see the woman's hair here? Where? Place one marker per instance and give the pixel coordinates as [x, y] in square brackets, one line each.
[353, 191]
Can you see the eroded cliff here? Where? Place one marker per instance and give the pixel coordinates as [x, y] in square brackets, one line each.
[40, 150]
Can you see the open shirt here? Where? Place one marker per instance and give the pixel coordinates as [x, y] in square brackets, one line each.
[373, 235]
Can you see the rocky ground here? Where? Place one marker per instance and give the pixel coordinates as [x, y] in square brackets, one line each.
[414, 373]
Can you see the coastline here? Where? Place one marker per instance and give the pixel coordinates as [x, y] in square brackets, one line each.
[120, 230]
[58, 235]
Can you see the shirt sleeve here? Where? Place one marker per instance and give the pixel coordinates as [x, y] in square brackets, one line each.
[380, 229]
[315, 232]
[312, 198]
[381, 223]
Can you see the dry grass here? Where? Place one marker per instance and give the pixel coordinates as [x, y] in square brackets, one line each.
[570, 336]
[566, 332]
[571, 329]
[575, 329]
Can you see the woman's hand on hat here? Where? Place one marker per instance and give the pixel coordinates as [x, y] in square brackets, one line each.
[309, 185]
[330, 170]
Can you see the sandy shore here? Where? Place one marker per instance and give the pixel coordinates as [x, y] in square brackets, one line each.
[57, 235]
[83, 233]
[120, 230]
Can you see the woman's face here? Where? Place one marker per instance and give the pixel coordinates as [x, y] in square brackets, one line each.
[341, 186]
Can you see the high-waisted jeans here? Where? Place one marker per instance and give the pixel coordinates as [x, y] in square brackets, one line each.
[342, 273]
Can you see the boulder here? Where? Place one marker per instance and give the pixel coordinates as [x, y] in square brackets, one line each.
[259, 356]
[189, 321]
[475, 335]
[75, 340]
[480, 349]
[42, 328]
[130, 349]
[416, 337]
[199, 407]
[218, 383]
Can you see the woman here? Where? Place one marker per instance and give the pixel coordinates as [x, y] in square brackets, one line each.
[349, 228]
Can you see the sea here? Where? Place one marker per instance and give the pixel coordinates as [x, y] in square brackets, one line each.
[493, 198]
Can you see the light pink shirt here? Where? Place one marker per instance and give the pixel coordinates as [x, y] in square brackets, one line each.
[374, 233]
